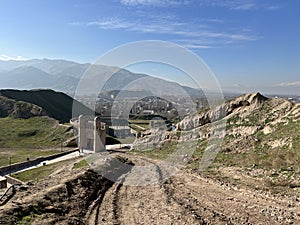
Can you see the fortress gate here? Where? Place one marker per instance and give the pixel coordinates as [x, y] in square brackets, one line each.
[92, 133]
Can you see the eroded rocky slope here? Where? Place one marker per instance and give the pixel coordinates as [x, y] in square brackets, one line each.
[240, 118]
[19, 109]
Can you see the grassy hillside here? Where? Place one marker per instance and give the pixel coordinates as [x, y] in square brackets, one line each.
[56, 104]
[30, 138]
[34, 132]
[21, 155]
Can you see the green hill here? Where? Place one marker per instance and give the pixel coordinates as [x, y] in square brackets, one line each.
[35, 132]
[54, 104]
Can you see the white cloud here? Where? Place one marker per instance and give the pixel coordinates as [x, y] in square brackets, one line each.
[230, 4]
[182, 30]
[111, 23]
[195, 46]
[233, 4]
[197, 33]
[272, 7]
[246, 6]
[197, 43]
[155, 2]
[288, 84]
[213, 20]
[7, 58]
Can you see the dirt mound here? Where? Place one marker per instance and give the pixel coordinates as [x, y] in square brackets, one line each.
[65, 203]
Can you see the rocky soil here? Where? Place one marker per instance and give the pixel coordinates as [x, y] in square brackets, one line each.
[148, 196]
[240, 120]
[19, 109]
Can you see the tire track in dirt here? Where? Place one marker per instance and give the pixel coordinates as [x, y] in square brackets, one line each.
[194, 207]
[93, 213]
[184, 198]
[238, 206]
[105, 208]
[115, 201]
[151, 203]
[166, 186]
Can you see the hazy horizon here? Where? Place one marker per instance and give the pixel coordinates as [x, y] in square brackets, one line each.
[144, 69]
[249, 45]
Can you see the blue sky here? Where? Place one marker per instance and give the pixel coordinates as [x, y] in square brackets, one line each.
[251, 45]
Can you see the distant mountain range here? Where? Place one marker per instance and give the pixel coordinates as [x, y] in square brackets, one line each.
[59, 75]
[64, 76]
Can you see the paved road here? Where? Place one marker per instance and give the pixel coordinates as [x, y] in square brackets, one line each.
[72, 156]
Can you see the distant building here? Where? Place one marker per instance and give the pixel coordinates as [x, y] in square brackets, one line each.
[120, 131]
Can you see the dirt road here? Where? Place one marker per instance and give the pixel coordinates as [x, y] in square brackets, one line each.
[185, 198]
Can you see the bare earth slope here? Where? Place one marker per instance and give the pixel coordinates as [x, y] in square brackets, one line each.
[78, 197]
